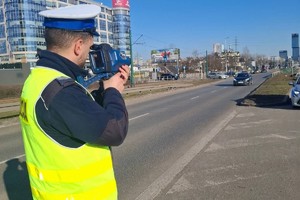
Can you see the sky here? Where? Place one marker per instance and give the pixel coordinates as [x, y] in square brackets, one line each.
[263, 27]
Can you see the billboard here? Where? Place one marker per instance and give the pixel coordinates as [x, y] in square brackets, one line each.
[165, 55]
[120, 4]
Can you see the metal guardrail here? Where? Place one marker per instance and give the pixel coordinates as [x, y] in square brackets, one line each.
[150, 88]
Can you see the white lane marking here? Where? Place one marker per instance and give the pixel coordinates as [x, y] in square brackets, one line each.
[4, 161]
[276, 136]
[139, 116]
[224, 168]
[248, 124]
[210, 183]
[181, 185]
[213, 91]
[194, 97]
[165, 179]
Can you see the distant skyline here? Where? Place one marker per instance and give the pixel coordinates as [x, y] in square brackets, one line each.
[264, 27]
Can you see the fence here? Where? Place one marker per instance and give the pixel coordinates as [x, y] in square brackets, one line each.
[146, 77]
[14, 75]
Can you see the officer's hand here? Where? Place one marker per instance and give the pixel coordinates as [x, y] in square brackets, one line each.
[118, 80]
[124, 73]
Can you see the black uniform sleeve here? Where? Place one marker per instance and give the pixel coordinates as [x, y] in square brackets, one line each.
[99, 93]
[73, 117]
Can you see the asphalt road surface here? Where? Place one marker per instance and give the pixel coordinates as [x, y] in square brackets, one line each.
[161, 131]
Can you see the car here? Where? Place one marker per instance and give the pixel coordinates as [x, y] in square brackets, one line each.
[254, 71]
[295, 93]
[217, 75]
[223, 75]
[243, 78]
[168, 76]
[212, 75]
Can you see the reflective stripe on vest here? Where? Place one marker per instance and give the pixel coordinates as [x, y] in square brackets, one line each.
[87, 195]
[56, 171]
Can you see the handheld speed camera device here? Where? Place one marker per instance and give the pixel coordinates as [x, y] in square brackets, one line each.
[104, 62]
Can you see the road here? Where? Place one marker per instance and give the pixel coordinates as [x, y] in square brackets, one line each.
[161, 131]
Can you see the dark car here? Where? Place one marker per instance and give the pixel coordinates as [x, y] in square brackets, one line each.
[243, 78]
[168, 77]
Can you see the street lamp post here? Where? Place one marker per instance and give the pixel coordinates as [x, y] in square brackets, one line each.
[131, 55]
[131, 67]
[206, 64]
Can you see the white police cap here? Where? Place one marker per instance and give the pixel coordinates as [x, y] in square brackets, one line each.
[74, 18]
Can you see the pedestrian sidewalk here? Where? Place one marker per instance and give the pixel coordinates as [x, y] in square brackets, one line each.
[255, 155]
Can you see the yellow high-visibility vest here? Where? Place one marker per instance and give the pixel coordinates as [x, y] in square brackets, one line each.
[57, 172]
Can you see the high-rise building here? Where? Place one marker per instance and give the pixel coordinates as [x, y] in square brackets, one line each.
[295, 46]
[22, 31]
[217, 48]
[121, 25]
[283, 54]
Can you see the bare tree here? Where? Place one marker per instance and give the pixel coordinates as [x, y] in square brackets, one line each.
[246, 56]
[215, 62]
[261, 60]
[195, 54]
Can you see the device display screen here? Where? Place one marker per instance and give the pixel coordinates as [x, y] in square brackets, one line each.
[97, 62]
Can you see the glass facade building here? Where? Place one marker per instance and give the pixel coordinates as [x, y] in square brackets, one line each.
[121, 25]
[283, 54]
[295, 46]
[22, 31]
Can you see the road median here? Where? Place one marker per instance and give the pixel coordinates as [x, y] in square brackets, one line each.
[272, 92]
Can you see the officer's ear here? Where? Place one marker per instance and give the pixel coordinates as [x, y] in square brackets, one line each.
[78, 46]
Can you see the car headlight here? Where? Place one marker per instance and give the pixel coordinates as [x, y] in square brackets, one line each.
[295, 92]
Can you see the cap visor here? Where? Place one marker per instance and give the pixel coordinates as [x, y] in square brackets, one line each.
[95, 33]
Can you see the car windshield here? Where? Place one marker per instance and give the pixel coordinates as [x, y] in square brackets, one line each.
[242, 75]
[298, 81]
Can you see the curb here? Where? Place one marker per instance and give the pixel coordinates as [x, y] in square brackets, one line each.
[278, 103]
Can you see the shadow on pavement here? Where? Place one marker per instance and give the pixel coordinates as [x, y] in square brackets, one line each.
[266, 101]
[16, 180]
[224, 84]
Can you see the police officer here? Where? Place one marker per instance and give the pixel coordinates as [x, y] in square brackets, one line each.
[67, 134]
